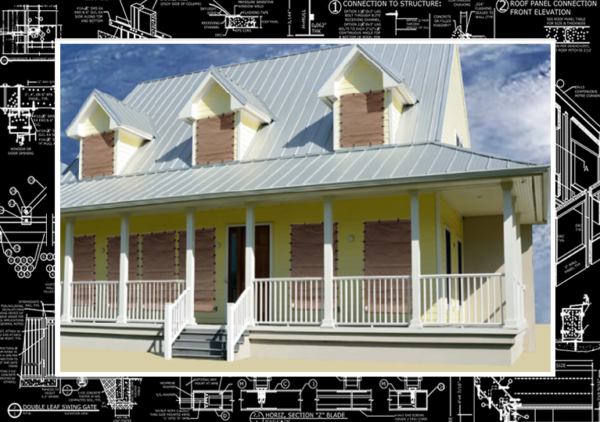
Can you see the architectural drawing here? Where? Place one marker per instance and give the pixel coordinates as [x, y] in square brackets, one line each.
[573, 329]
[142, 22]
[235, 20]
[577, 192]
[120, 394]
[461, 28]
[262, 395]
[349, 398]
[27, 238]
[22, 104]
[37, 355]
[567, 397]
[28, 33]
[568, 34]
[402, 23]
[410, 396]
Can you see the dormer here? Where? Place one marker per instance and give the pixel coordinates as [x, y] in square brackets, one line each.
[367, 98]
[109, 132]
[225, 119]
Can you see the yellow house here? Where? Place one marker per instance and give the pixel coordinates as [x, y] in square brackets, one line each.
[323, 205]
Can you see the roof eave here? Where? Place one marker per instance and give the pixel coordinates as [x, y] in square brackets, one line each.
[542, 170]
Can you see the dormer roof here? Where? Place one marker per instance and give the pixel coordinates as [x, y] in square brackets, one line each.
[121, 116]
[392, 79]
[240, 98]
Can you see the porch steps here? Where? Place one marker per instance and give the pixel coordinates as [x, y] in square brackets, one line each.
[204, 343]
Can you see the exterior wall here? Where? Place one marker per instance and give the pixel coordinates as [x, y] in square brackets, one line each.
[362, 78]
[484, 252]
[455, 115]
[125, 147]
[349, 214]
[452, 220]
[396, 112]
[246, 129]
[217, 101]
[98, 122]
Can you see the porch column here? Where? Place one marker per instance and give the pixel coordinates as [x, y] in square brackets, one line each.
[190, 261]
[250, 260]
[123, 269]
[510, 240]
[68, 271]
[519, 265]
[328, 321]
[415, 264]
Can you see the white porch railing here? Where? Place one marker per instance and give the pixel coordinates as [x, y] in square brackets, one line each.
[288, 301]
[95, 301]
[176, 318]
[146, 299]
[239, 315]
[372, 300]
[463, 299]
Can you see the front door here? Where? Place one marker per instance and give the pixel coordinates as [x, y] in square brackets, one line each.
[237, 258]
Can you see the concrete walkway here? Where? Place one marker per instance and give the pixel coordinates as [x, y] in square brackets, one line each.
[93, 360]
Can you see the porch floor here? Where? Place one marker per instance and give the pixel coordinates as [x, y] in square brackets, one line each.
[97, 360]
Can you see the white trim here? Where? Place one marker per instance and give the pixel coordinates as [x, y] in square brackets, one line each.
[438, 232]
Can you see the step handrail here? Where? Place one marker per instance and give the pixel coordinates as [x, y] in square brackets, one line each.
[176, 318]
[239, 316]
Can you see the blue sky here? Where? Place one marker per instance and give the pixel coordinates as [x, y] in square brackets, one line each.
[507, 89]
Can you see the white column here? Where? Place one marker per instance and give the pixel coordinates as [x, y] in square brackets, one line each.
[190, 261]
[328, 265]
[68, 271]
[415, 252]
[519, 266]
[250, 260]
[510, 240]
[123, 269]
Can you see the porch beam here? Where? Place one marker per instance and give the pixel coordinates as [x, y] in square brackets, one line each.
[328, 265]
[250, 259]
[190, 261]
[123, 269]
[415, 252]
[68, 270]
[510, 241]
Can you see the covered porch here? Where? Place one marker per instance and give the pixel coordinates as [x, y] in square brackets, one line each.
[391, 260]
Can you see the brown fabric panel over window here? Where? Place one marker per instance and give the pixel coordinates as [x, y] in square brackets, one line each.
[362, 119]
[113, 257]
[98, 154]
[214, 139]
[84, 269]
[204, 276]
[388, 253]
[158, 256]
[84, 258]
[308, 260]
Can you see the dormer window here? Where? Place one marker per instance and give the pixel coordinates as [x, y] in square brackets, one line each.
[110, 132]
[367, 97]
[225, 118]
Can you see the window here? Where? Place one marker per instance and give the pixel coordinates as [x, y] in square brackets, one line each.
[362, 119]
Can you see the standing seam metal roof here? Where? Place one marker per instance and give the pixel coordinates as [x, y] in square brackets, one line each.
[348, 167]
[286, 86]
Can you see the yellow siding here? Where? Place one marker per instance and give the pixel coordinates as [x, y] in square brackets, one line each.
[129, 140]
[362, 78]
[455, 115]
[349, 214]
[99, 122]
[217, 101]
[397, 111]
[246, 128]
[452, 220]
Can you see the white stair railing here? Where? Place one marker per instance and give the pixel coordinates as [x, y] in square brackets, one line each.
[176, 318]
[238, 319]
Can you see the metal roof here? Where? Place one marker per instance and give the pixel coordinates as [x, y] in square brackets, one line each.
[349, 168]
[286, 86]
[125, 115]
